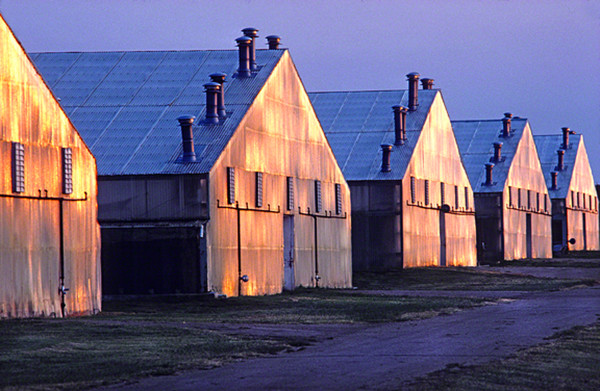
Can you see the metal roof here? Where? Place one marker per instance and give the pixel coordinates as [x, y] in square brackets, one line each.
[476, 139]
[358, 122]
[125, 104]
[547, 145]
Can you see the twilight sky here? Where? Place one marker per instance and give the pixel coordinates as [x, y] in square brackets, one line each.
[536, 59]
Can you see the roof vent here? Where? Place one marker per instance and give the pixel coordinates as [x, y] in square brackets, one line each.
[385, 160]
[497, 152]
[554, 176]
[561, 160]
[566, 132]
[413, 90]
[273, 41]
[219, 78]
[427, 84]
[399, 124]
[252, 33]
[212, 103]
[244, 55]
[489, 179]
[506, 128]
[187, 137]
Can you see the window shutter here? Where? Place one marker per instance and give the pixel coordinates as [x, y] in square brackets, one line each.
[318, 200]
[67, 170]
[338, 199]
[413, 190]
[259, 189]
[290, 193]
[442, 193]
[230, 185]
[456, 199]
[18, 167]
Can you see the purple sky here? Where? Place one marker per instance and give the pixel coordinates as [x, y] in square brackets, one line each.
[536, 59]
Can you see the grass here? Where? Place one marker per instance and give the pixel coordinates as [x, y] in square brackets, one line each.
[74, 354]
[159, 336]
[458, 278]
[303, 306]
[569, 361]
[555, 262]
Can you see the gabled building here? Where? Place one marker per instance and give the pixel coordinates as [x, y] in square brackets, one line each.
[244, 199]
[571, 186]
[512, 204]
[49, 234]
[412, 203]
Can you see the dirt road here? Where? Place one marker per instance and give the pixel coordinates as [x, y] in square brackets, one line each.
[382, 357]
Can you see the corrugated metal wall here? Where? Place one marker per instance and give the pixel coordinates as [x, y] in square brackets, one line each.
[280, 136]
[583, 202]
[436, 158]
[30, 233]
[526, 176]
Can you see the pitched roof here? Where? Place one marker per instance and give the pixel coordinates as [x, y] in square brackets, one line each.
[125, 104]
[547, 145]
[476, 139]
[358, 122]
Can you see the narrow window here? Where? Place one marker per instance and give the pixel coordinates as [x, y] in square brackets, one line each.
[537, 201]
[590, 201]
[338, 199]
[18, 167]
[519, 198]
[230, 185]
[545, 202]
[413, 191]
[426, 191]
[290, 193]
[466, 197]
[578, 203]
[510, 196]
[67, 170]
[528, 199]
[572, 198]
[318, 200]
[442, 193]
[259, 189]
[456, 200]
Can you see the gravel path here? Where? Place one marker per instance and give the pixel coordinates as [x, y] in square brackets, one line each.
[382, 357]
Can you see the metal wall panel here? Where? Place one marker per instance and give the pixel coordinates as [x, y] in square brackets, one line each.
[30, 222]
[525, 173]
[281, 137]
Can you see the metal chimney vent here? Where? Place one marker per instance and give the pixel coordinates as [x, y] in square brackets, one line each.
[554, 176]
[273, 41]
[219, 77]
[252, 33]
[244, 44]
[187, 137]
[497, 152]
[566, 132]
[489, 179]
[506, 126]
[385, 160]
[399, 124]
[427, 84]
[561, 160]
[212, 103]
[413, 90]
